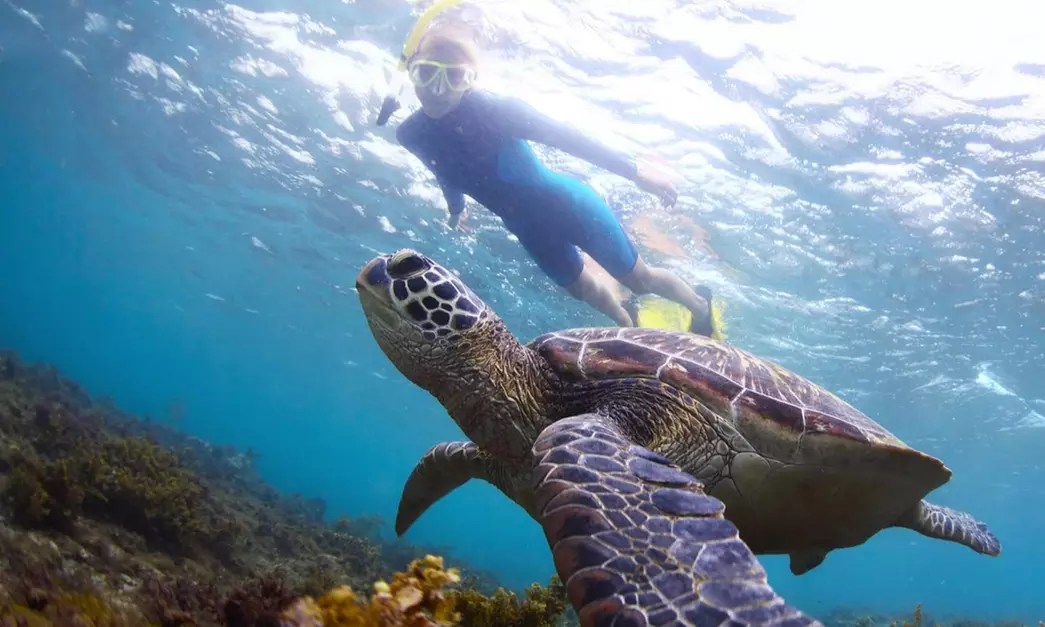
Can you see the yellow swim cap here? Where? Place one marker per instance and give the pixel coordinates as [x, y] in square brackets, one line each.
[390, 104]
[418, 31]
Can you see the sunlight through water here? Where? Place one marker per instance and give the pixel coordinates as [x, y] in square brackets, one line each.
[190, 187]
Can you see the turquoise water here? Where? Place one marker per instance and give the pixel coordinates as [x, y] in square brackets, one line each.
[187, 191]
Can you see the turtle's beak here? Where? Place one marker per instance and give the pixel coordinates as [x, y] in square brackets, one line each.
[374, 275]
[373, 283]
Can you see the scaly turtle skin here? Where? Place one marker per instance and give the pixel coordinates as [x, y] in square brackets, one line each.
[624, 444]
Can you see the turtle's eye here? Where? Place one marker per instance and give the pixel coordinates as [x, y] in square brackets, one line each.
[407, 263]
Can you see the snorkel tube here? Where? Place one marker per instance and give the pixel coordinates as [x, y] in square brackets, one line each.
[391, 102]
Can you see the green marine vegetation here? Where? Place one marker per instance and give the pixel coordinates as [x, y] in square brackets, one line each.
[130, 481]
[109, 520]
[65, 609]
[544, 606]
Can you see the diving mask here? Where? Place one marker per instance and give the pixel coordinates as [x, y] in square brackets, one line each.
[391, 102]
[452, 76]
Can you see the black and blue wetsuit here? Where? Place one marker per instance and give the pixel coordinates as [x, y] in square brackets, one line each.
[480, 149]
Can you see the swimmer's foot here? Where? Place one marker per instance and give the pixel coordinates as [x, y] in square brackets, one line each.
[701, 323]
[631, 305]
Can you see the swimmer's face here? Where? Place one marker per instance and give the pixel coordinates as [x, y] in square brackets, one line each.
[442, 73]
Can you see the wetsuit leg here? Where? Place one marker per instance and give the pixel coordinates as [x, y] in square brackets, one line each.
[556, 256]
[594, 227]
[562, 262]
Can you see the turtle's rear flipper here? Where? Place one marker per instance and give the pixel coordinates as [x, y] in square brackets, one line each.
[636, 541]
[945, 523]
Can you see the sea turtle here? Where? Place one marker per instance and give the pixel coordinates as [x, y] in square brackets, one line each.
[624, 443]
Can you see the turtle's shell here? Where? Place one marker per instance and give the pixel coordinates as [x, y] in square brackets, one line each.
[782, 415]
[730, 381]
[796, 466]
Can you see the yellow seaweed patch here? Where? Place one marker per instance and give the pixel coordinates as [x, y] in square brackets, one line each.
[416, 597]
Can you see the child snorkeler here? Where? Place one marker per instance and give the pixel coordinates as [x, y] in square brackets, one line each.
[476, 143]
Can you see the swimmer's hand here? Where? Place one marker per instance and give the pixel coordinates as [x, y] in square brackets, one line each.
[454, 222]
[656, 181]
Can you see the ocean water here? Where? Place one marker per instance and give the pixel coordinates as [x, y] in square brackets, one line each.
[187, 190]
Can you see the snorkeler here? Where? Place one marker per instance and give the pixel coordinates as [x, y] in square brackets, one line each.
[475, 143]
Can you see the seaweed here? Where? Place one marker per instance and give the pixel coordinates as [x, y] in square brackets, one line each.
[110, 519]
[414, 598]
[543, 606]
[421, 596]
[128, 481]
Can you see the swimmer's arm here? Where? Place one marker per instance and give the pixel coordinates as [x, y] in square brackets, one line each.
[524, 121]
[407, 138]
[454, 202]
[454, 222]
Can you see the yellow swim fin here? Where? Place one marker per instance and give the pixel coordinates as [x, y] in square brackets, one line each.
[654, 312]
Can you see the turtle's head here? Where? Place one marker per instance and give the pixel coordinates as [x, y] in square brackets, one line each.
[445, 339]
[419, 312]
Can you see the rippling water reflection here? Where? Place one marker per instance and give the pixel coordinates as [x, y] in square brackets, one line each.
[863, 182]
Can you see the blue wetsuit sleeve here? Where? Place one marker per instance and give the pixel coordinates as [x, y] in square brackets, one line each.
[519, 119]
[407, 136]
[454, 197]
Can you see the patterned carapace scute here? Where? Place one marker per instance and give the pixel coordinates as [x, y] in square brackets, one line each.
[720, 375]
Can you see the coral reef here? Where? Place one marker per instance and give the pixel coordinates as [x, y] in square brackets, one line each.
[108, 520]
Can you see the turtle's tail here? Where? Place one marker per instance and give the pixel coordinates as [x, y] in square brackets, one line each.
[944, 523]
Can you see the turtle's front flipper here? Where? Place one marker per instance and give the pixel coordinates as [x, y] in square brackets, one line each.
[447, 466]
[945, 523]
[634, 537]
